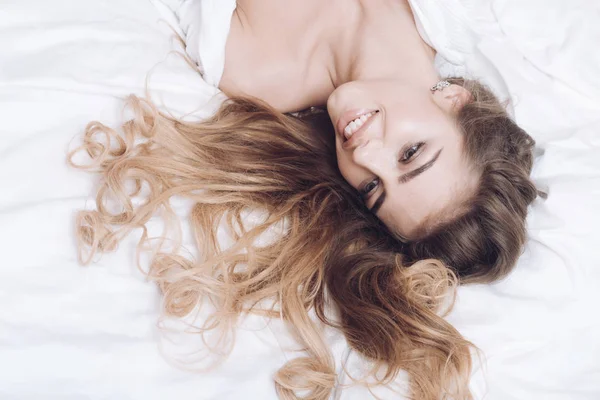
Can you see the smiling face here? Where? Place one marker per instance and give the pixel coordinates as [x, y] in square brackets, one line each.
[399, 146]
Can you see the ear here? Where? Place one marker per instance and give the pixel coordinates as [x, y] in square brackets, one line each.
[453, 98]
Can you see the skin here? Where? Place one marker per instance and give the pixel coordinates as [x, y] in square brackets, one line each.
[413, 136]
[360, 54]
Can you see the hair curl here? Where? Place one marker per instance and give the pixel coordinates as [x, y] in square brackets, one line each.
[391, 296]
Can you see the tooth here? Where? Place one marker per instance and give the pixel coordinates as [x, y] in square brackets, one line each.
[359, 123]
[353, 125]
[363, 118]
[347, 130]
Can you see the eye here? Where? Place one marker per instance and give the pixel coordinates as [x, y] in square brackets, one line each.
[369, 188]
[409, 153]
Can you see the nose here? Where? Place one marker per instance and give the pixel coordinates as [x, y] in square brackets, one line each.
[375, 157]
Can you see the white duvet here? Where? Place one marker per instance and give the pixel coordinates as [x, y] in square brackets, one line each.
[71, 332]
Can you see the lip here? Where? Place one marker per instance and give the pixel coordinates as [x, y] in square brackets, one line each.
[348, 117]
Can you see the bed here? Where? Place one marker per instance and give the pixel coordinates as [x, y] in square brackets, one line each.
[70, 332]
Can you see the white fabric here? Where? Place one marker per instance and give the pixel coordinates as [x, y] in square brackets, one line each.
[455, 29]
[446, 25]
[206, 24]
[68, 332]
[539, 329]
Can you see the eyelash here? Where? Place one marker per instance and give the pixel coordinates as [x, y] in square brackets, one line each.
[415, 147]
[364, 192]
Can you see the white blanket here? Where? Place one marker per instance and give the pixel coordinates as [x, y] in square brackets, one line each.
[71, 332]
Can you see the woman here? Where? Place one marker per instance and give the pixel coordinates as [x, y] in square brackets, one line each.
[405, 169]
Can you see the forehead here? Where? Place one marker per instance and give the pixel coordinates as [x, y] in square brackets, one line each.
[438, 191]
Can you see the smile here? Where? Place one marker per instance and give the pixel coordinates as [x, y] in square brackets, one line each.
[354, 126]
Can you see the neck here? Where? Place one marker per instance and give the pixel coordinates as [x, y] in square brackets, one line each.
[379, 41]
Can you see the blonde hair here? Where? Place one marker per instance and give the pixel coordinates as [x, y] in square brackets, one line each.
[331, 251]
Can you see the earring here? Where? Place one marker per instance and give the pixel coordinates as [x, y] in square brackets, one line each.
[441, 85]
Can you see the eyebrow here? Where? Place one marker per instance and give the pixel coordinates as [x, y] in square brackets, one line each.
[418, 171]
[407, 177]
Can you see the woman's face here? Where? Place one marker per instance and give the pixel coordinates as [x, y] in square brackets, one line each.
[405, 155]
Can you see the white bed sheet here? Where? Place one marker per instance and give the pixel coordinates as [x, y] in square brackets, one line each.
[71, 332]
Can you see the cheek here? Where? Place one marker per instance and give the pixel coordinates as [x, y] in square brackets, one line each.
[348, 96]
[343, 93]
[350, 172]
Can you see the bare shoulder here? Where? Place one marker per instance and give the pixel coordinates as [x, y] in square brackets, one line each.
[268, 55]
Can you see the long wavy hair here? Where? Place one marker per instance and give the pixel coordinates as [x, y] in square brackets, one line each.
[390, 296]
